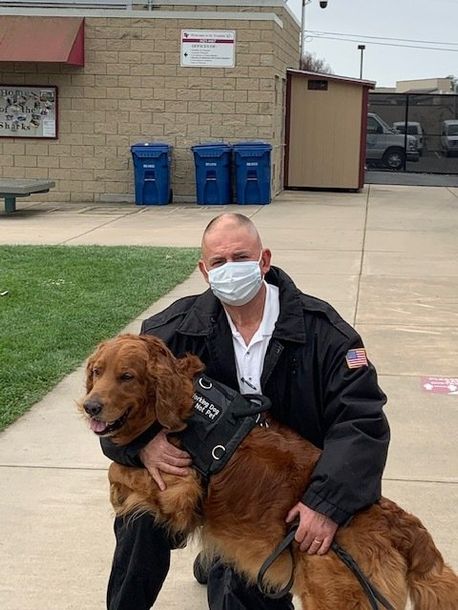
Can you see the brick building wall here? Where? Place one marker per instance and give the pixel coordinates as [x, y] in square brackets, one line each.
[133, 89]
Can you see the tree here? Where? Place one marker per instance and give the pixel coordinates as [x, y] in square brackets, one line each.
[454, 83]
[311, 63]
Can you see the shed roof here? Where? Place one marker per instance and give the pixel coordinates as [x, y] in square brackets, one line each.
[335, 77]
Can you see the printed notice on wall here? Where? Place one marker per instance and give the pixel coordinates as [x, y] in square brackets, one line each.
[28, 112]
[208, 48]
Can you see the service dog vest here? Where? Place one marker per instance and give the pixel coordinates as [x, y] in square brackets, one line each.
[220, 421]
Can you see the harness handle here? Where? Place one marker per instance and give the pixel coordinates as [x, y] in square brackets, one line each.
[258, 404]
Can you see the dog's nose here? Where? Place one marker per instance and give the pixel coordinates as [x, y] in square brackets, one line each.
[92, 406]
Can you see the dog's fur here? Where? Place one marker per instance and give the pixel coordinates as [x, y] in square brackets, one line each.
[242, 516]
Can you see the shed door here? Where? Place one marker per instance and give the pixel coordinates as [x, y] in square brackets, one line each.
[324, 134]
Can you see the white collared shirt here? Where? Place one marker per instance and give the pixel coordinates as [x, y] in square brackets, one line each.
[250, 358]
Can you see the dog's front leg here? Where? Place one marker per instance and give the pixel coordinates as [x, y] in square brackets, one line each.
[180, 503]
[133, 491]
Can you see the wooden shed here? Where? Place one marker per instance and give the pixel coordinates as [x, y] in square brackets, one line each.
[326, 118]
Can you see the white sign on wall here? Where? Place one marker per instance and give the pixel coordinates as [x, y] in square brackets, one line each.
[208, 48]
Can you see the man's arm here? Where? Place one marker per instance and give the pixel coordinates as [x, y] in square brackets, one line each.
[347, 477]
[129, 455]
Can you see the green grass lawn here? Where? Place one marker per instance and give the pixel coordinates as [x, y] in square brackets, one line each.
[63, 300]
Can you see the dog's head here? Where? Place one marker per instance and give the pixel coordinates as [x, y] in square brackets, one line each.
[133, 381]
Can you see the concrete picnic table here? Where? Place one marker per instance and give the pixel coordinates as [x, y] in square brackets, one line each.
[10, 188]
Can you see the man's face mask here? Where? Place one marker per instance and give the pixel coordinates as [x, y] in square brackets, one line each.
[236, 283]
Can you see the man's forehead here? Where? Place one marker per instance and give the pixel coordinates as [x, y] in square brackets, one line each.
[239, 240]
[230, 231]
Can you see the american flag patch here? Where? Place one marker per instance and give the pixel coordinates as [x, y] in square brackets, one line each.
[356, 358]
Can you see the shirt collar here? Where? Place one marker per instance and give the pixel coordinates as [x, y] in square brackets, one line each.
[269, 315]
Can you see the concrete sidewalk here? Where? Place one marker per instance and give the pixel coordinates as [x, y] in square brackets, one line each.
[385, 258]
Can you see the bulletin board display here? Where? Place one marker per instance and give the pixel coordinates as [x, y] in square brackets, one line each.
[28, 111]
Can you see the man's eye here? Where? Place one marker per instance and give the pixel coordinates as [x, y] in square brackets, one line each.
[126, 376]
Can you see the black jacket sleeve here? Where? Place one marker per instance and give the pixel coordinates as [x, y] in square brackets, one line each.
[347, 478]
[128, 454]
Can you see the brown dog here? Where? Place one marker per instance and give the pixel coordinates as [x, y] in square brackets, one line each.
[134, 381]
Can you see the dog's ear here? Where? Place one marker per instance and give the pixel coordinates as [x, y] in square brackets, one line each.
[171, 381]
[190, 365]
[90, 367]
[89, 374]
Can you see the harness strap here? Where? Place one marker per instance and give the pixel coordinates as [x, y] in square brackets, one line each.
[257, 404]
[373, 594]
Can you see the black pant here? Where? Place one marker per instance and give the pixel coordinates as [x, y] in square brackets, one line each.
[141, 562]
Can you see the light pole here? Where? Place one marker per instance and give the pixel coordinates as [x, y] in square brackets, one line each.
[361, 47]
[304, 4]
[323, 4]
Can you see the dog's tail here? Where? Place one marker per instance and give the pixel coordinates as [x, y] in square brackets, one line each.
[432, 584]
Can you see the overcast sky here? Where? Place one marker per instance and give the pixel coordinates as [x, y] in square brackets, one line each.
[421, 20]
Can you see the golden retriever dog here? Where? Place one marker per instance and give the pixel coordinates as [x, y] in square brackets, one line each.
[134, 381]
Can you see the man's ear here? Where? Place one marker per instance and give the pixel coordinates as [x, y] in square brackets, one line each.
[265, 260]
[203, 270]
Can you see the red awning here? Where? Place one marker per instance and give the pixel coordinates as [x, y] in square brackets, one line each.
[42, 39]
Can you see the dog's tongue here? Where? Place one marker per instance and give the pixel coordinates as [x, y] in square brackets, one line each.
[97, 426]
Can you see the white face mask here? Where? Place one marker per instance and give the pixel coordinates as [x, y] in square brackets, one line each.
[236, 283]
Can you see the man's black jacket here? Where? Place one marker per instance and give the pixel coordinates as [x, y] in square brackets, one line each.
[306, 376]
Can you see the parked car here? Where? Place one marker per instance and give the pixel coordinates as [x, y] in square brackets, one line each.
[449, 137]
[413, 129]
[386, 146]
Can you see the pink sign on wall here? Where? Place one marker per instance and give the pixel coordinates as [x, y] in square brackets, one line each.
[440, 385]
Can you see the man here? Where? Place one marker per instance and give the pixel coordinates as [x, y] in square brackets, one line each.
[257, 333]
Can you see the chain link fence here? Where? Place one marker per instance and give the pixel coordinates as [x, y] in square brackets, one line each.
[413, 132]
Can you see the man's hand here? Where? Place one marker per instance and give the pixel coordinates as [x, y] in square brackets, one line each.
[161, 456]
[315, 532]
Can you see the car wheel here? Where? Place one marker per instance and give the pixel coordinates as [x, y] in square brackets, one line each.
[394, 158]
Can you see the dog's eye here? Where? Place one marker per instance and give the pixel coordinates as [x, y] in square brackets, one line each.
[126, 376]
[95, 372]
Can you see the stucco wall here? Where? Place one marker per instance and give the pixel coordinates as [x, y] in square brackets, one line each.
[133, 89]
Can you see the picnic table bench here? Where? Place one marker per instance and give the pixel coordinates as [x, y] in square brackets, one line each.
[10, 188]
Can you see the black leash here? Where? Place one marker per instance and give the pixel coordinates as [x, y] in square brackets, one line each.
[373, 594]
[369, 589]
[284, 544]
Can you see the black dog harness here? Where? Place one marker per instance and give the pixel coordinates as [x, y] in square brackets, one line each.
[221, 419]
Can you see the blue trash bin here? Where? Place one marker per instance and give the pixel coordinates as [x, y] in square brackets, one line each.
[252, 172]
[213, 173]
[152, 173]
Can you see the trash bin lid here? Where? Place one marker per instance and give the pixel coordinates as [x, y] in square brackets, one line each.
[213, 143]
[203, 145]
[157, 145]
[253, 143]
[212, 149]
